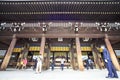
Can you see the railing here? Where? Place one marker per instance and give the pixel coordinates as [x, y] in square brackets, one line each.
[36, 48]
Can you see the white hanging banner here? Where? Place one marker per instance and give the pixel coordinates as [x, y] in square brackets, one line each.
[60, 39]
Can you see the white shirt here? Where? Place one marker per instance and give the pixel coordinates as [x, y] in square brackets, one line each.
[62, 61]
[39, 59]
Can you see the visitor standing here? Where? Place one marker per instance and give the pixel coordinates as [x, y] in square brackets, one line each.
[39, 64]
[109, 65]
[62, 63]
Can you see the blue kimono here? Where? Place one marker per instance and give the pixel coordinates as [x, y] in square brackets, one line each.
[110, 67]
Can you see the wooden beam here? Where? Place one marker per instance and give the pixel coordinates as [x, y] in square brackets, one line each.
[60, 35]
[37, 35]
[115, 42]
[5, 37]
[115, 37]
[112, 54]
[8, 54]
[4, 43]
[79, 54]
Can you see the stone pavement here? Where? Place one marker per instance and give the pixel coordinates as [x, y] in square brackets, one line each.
[57, 74]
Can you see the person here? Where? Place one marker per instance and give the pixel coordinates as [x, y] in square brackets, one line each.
[89, 63]
[86, 64]
[109, 65]
[24, 63]
[52, 65]
[39, 64]
[35, 61]
[62, 63]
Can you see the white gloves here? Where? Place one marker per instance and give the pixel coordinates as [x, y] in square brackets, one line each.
[106, 60]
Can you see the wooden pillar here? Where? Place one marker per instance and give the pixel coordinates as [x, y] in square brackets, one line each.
[49, 54]
[48, 58]
[112, 54]
[79, 54]
[53, 58]
[74, 61]
[8, 54]
[67, 57]
[72, 57]
[96, 56]
[42, 47]
[95, 59]
[47, 62]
